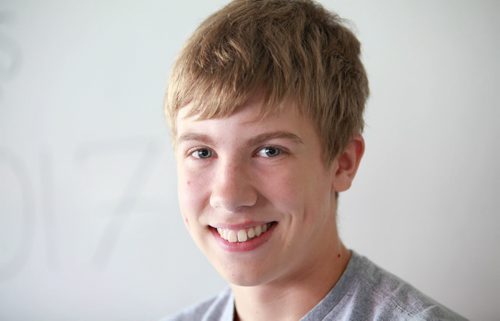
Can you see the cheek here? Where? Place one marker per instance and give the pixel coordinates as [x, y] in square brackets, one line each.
[191, 186]
[300, 194]
[284, 190]
[191, 193]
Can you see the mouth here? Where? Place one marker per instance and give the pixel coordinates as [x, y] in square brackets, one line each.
[244, 234]
[244, 237]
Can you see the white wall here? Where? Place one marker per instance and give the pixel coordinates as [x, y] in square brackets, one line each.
[89, 226]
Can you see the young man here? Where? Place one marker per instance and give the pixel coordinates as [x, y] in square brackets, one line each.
[265, 103]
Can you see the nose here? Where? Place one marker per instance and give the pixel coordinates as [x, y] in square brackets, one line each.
[232, 188]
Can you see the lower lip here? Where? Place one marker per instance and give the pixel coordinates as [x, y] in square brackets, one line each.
[247, 246]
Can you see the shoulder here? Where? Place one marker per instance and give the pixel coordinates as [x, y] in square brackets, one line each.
[217, 308]
[391, 298]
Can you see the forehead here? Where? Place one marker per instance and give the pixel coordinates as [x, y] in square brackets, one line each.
[253, 114]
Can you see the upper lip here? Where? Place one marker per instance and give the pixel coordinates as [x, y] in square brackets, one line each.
[238, 226]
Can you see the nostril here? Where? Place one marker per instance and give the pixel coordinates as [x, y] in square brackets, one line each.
[234, 199]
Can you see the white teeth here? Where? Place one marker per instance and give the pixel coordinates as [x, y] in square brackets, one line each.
[231, 236]
[243, 235]
[258, 230]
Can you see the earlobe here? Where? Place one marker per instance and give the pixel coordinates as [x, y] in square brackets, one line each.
[347, 162]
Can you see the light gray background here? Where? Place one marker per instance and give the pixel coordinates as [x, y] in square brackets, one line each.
[89, 226]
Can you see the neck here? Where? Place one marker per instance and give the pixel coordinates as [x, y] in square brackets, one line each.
[299, 295]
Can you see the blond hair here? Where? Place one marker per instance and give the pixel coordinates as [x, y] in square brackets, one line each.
[285, 49]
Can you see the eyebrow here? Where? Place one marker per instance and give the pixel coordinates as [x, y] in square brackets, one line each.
[194, 137]
[259, 139]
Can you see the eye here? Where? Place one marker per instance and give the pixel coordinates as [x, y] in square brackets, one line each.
[202, 153]
[269, 151]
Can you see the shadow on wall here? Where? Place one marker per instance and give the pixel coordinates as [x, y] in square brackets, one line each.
[10, 53]
[10, 63]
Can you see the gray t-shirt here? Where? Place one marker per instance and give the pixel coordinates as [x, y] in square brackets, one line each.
[363, 292]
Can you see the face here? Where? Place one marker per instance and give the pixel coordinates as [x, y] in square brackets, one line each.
[256, 195]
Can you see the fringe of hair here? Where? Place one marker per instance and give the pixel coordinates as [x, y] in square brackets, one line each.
[281, 49]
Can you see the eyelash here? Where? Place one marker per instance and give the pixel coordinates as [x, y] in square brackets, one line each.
[192, 152]
[280, 151]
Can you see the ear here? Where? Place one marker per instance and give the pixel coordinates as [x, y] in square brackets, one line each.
[346, 164]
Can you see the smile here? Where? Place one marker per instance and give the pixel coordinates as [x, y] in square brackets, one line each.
[243, 235]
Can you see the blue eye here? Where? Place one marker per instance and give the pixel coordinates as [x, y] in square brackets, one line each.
[202, 153]
[269, 151]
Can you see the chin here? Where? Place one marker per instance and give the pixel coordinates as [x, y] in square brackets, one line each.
[243, 276]
[244, 281]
